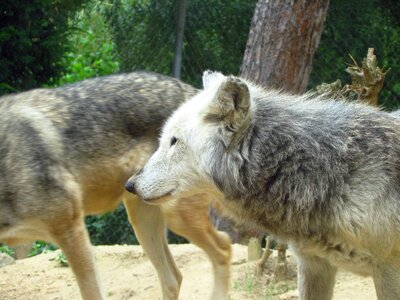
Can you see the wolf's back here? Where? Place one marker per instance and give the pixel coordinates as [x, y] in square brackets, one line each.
[149, 97]
[98, 115]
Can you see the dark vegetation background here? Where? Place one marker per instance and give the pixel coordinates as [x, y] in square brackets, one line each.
[55, 42]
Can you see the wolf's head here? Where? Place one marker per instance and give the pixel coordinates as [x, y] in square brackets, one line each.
[196, 141]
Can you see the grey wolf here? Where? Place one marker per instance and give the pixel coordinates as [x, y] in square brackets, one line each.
[67, 152]
[322, 175]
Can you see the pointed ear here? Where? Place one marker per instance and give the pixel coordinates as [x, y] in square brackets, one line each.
[231, 104]
[211, 78]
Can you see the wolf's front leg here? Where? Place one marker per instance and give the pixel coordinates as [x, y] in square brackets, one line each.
[189, 218]
[72, 237]
[316, 278]
[387, 280]
[150, 229]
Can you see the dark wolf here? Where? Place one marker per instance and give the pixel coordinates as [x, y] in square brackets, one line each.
[67, 152]
[323, 175]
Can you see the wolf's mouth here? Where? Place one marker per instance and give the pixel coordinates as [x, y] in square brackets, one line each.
[161, 199]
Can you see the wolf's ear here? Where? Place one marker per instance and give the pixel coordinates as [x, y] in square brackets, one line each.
[231, 105]
[211, 78]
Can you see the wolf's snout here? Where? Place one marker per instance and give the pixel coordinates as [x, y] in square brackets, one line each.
[130, 187]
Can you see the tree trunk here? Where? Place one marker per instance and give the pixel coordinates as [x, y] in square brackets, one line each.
[284, 36]
[180, 27]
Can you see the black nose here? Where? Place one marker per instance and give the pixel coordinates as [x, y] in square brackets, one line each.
[130, 187]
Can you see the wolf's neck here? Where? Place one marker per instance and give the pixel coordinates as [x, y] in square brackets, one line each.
[280, 171]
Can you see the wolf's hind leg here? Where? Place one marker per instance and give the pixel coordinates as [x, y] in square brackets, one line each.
[316, 278]
[387, 280]
[150, 229]
[189, 218]
[73, 239]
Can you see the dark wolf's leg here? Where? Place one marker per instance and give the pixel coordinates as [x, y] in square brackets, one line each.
[73, 239]
[150, 229]
[22, 250]
[387, 280]
[316, 278]
[189, 218]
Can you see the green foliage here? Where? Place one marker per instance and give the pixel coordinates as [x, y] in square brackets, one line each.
[62, 259]
[87, 65]
[39, 247]
[216, 38]
[215, 35]
[143, 33]
[175, 239]
[6, 249]
[92, 49]
[111, 228]
[32, 35]
[114, 228]
[351, 30]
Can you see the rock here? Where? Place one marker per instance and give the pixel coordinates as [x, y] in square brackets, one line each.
[6, 260]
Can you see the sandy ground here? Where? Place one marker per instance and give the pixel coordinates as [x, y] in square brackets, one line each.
[128, 274]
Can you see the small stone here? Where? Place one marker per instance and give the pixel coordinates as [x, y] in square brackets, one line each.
[6, 260]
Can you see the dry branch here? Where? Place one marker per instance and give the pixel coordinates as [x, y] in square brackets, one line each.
[366, 81]
[254, 250]
[261, 264]
[281, 271]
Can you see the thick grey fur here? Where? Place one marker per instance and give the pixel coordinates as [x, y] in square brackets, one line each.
[323, 175]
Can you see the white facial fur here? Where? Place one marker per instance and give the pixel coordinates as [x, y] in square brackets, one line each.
[174, 167]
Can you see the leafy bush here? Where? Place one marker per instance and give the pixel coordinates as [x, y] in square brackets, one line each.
[92, 50]
[31, 41]
[6, 249]
[111, 228]
[41, 247]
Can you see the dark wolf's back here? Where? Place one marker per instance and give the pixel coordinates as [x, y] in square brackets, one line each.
[96, 114]
[47, 135]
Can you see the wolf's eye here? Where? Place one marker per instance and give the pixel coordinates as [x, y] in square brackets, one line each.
[173, 141]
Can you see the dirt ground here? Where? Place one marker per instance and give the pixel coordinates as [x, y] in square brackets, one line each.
[128, 274]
